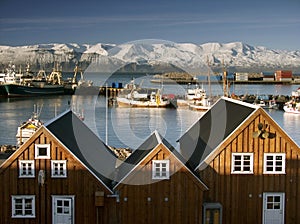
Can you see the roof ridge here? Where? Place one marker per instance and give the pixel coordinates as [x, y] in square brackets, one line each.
[240, 102]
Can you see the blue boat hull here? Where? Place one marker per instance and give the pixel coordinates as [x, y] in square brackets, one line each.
[15, 90]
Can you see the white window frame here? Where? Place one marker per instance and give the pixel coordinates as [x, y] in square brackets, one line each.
[274, 163]
[26, 163]
[23, 206]
[242, 171]
[62, 163]
[37, 147]
[158, 164]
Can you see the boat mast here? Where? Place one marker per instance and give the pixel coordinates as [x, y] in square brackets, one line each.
[225, 86]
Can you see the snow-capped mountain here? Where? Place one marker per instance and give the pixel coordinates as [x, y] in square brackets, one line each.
[187, 56]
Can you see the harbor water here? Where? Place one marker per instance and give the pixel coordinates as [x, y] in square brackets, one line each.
[129, 127]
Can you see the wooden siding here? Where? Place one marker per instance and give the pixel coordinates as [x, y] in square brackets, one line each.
[241, 195]
[79, 182]
[176, 200]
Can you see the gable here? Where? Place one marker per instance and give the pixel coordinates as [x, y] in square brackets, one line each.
[212, 129]
[244, 140]
[84, 144]
[141, 173]
[57, 152]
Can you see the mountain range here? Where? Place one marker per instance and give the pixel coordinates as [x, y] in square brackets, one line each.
[152, 56]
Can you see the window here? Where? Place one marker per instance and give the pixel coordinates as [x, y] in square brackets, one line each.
[58, 168]
[42, 151]
[23, 206]
[26, 168]
[274, 163]
[242, 163]
[160, 169]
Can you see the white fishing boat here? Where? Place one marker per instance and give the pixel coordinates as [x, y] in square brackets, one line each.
[292, 107]
[135, 96]
[27, 128]
[195, 99]
[136, 99]
[202, 104]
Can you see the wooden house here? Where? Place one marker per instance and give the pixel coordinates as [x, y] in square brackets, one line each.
[58, 176]
[65, 174]
[234, 165]
[250, 165]
[156, 185]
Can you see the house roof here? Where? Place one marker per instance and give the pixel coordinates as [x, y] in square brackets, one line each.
[141, 153]
[84, 144]
[213, 128]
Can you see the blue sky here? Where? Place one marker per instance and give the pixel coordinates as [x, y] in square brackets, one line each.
[274, 24]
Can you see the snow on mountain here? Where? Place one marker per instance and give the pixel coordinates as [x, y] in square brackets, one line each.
[184, 55]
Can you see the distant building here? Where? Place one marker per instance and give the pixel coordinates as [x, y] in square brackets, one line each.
[239, 76]
[283, 75]
[268, 76]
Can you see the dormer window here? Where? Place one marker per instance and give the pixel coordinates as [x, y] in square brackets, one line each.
[42, 151]
[160, 169]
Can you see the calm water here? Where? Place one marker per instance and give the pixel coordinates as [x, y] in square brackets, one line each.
[128, 127]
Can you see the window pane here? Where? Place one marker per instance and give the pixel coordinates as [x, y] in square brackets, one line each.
[42, 151]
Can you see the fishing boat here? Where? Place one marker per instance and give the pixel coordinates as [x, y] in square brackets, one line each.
[292, 107]
[81, 85]
[27, 128]
[134, 96]
[39, 85]
[195, 99]
[202, 104]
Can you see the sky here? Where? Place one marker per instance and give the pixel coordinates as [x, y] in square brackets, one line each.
[273, 24]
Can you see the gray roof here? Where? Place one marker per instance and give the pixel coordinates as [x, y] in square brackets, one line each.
[212, 129]
[84, 144]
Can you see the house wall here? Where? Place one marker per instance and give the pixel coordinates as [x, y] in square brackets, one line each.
[79, 182]
[176, 200]
[241, 195]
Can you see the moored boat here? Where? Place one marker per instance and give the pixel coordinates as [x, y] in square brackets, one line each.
[292, 107]
[134, 96]
[39, 85]
[27, 128]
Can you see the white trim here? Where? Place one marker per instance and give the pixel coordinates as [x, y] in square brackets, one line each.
[36, 151]
[242, 171]
[79, 160]
[274, 163]
[26, 162]
[62, 163]
[163, 175]
[23, 197]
